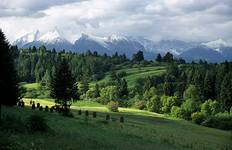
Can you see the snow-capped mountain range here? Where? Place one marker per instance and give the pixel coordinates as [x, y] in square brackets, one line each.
[212, 51]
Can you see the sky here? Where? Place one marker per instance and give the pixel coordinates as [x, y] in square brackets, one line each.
[187, 20]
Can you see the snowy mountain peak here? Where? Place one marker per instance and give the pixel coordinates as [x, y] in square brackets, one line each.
[116, 37]
[51, 36]
[217, 44]
[29, 37]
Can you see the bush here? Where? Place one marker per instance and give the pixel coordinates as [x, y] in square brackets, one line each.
[189, 107]
[94, 114]
[220, 121]
[37, 123]
[140, 104]
[168, 102]
[51, 109]
[113, 106]
[38, 105]
[231, 111]
[33, 106]
[153, 104]
[176, 112]
[210, 107]
[198, 117]
[41, 108]
[46, 108]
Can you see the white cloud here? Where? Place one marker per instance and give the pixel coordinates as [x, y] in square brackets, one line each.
[191, 20]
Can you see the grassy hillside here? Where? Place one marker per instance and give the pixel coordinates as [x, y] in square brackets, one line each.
[141, 130]
[132, 74]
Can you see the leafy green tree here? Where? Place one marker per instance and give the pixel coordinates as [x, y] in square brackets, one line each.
[63, 88]
[108, 94]
[189, 107]
[8, 76]
[153, 104]
[168, 102]
[205, 107]
[192, 92]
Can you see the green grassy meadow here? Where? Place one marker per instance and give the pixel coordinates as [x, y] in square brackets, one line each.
[141, 130]
[132, 74]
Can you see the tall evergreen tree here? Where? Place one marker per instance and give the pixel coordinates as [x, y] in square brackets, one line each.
[8, 76]
[63, 88]
[158, 58]
[209, 86]
[225, 94]
[138, 56]
[168, 57]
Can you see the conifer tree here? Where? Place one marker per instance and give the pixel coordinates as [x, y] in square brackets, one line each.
[63, 87]
[8, 76]
[158, 58]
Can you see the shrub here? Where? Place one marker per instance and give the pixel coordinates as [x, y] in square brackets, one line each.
[122, 119]
[38, 105]
[37, 123]
[46, 108]
[86, 113]
[210, 107]
[79, 112]
[198, 117]
[220, 121]
[168, 102]
[140, 104]
[94, 114]
[107, 117]
[108, 94]
[189, 107]
[41, 108]
[153, 104]
[51, 109]
[113, 106]
[176, 112]
[33, 106]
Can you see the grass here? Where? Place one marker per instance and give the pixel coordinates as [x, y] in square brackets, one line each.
[141, 130]
[34, 86]
[133, 74]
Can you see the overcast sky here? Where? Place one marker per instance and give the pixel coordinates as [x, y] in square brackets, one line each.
[188, 20]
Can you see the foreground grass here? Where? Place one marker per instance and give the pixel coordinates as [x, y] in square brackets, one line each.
[141, 130]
